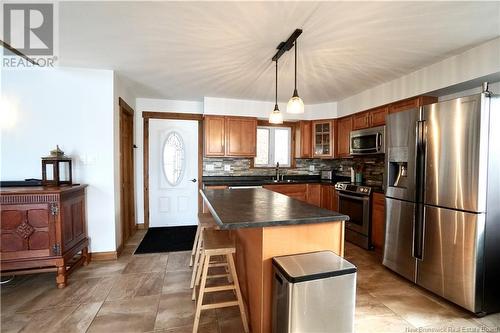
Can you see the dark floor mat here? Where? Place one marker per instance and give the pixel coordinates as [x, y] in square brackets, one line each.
[167, 239]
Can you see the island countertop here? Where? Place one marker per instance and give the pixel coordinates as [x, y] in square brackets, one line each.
[256, 207]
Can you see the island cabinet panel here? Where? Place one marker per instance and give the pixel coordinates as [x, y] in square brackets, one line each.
[344, 128]
[314, 194]
[43, 229]
[255, 249]
[378, 221]
[411, 103]
[303, 139]
[296, 191]
[214, 135]
[241, 136]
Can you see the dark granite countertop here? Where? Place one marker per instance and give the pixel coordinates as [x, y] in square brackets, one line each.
[266, 180]
[247, 208]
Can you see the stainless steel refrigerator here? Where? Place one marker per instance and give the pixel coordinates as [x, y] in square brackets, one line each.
[443, 199]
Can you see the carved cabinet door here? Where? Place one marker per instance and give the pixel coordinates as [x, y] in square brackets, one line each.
[27, 231]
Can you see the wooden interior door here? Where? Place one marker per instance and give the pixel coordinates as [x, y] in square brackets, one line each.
[127, 170]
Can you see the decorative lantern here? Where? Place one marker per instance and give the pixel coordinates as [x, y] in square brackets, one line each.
[56, 169]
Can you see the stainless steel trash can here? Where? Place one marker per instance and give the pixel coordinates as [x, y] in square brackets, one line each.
[313, 293]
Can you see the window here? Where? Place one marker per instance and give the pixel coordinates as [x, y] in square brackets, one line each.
[273, 145]
[173, 158]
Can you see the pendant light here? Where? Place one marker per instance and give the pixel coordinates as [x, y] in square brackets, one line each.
[276, 117]
[295, 104]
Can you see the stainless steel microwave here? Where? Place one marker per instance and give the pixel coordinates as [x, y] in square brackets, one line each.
[368, 141]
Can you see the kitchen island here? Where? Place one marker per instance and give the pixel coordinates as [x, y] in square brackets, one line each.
[266, 224]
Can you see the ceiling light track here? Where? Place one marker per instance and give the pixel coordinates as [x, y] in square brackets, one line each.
[287, 46]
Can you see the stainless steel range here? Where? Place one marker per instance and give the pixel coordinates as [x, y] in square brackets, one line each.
[355, 201]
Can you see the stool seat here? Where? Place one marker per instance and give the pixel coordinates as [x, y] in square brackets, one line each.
[218, 242]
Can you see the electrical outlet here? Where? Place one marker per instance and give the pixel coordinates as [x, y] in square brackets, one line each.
[209, 167]
[227, 167]
[311, 168]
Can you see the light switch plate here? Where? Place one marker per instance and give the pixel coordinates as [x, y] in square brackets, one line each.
[227, 167]
[209, 167]
[311, 168]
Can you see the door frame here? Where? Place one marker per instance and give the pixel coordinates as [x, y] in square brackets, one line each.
[126, 110]
[146, 115]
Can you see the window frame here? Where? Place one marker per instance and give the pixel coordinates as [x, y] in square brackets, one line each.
[271, 157]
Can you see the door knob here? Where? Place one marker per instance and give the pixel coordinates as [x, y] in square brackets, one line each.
[193, 180]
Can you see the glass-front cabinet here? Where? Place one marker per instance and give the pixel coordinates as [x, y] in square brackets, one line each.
[323, 138]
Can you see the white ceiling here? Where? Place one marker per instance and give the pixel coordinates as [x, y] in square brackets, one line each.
[190, 50]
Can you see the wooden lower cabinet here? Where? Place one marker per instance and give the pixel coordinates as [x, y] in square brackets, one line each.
[329, 197]
[378, 221]
[43, 229]
[296, 191]
[314, 194]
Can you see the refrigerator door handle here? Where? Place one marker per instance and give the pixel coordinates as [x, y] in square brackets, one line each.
[418, 232]
[418, 227]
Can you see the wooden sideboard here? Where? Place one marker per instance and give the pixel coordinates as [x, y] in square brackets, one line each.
[43, 229]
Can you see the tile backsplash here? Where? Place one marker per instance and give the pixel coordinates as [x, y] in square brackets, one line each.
[371, 167]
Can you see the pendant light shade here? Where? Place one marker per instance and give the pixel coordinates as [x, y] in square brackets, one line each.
[295, 104]
[276, 117]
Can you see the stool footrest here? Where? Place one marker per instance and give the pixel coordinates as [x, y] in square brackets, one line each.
[219, 288]
[219, 305]
[217, 264]
[216, 276]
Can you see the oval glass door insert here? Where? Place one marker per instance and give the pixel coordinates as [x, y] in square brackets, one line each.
[173, 158]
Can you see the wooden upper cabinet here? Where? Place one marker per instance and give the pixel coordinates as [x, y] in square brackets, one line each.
[377, 116]
[214, 135]
[241, 136]
[303, 137]
[229, 136]
[323, 132]
[410, 103]
[371, 118]
[361, 120]
[344, 128]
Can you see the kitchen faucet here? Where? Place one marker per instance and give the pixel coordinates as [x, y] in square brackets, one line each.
[278, 173]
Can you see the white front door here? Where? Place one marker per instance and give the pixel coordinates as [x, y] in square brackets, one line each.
[173, 172]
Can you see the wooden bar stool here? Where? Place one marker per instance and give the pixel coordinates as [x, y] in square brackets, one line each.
[217, 243]
[205, 221]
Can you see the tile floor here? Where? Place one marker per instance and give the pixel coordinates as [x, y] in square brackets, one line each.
[150, 293]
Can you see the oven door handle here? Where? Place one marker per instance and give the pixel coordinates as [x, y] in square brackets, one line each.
[353, 197]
